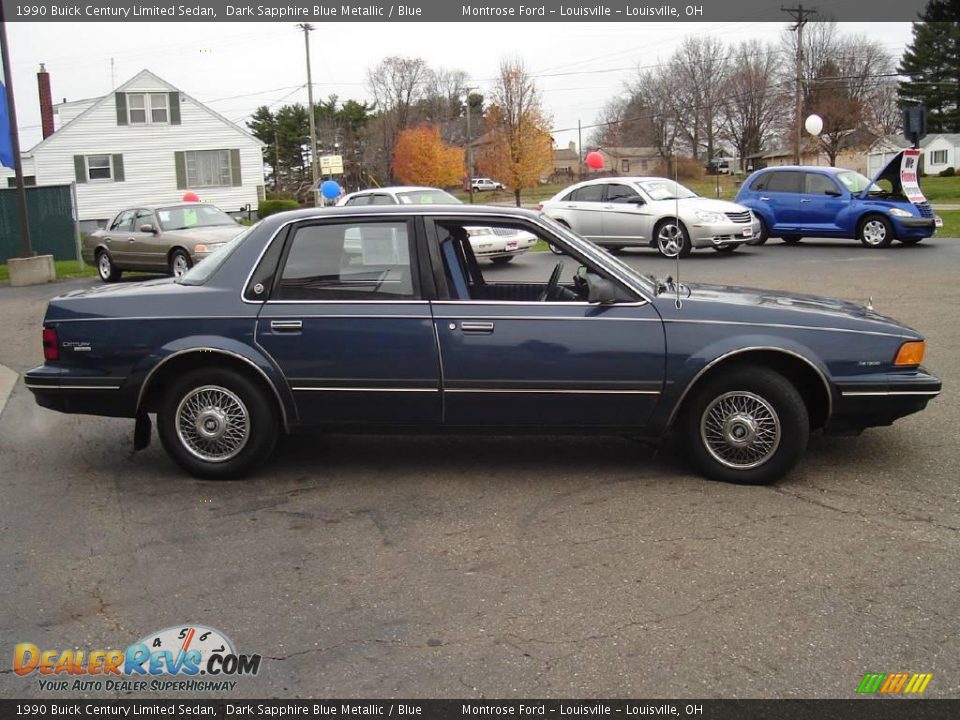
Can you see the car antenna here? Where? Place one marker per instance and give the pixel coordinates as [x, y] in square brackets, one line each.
[676, 205]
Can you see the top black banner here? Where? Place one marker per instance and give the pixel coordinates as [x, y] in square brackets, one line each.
[638, 11]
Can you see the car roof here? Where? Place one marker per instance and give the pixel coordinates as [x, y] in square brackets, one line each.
[504, 212]
[399, 188]
[809, 168]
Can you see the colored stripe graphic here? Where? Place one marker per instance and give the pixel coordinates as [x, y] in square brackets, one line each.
[894, 683]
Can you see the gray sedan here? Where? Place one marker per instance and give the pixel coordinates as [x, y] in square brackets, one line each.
[168, 238]
[639, 211]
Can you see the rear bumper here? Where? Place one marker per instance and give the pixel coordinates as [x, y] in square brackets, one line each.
[861, 406]
[82, 396]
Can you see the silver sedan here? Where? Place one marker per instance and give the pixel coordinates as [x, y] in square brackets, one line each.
[650, 211]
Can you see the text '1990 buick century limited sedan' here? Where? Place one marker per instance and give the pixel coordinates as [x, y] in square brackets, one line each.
[291, 326]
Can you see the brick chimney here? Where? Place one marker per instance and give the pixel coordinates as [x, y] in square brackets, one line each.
[46, 102]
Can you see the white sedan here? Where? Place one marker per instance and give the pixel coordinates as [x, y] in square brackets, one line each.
[621, 212]
[500, 245]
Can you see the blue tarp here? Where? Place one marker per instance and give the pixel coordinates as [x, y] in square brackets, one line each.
[6, 145]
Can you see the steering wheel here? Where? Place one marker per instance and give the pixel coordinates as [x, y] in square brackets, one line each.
[552, 283]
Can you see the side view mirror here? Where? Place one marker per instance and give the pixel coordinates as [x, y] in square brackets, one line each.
[600, 291]
[148, 228]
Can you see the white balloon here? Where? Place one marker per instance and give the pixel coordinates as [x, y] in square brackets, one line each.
[814, 124]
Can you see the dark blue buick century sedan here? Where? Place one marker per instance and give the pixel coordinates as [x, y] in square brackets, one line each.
[380, 318]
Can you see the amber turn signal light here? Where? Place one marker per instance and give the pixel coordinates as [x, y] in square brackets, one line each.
[910, 353]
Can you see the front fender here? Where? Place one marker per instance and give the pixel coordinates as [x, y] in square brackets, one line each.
[139, 379]
[684, 370]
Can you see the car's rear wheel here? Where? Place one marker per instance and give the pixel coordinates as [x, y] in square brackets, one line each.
[107, 271]
[746, 425]
[791, 239]
[762, 236]
[217, 424]
[501, 260]
[180, 262]
[875, 232]
[672, 238]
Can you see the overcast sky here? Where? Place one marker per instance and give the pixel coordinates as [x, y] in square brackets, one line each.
[235, 67]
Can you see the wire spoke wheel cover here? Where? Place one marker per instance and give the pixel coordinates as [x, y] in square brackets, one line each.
[670, 239]
[740, 430]
[212, 423]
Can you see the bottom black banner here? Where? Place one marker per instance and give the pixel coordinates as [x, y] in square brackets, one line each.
[874, 709]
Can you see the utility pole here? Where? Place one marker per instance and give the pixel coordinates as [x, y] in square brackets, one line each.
[469, 147]
[314, 160]
[15, 141]
[579, 150]
[799, 15]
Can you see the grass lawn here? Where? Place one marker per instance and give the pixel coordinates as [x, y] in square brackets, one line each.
[65, 269]
[951, 224]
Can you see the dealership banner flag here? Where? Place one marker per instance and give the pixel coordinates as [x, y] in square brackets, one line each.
[6, 144]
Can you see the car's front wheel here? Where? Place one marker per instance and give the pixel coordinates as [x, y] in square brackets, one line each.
[762, 236]
[791, 239]
[726, 248]
[217, 424]
[746, 425]
[672, 238]
[180, 262]
[107, 271]
[875, 232]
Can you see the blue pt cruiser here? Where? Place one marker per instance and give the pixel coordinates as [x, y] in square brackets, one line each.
[380, 318]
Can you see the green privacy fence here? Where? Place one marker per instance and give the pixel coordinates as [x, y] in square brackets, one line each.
[49, 212]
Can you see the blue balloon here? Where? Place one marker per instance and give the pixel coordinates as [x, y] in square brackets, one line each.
[330, 189]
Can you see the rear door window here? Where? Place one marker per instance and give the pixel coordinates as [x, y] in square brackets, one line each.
[786, 182]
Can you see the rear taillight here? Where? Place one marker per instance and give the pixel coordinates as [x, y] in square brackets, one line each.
[51, 345]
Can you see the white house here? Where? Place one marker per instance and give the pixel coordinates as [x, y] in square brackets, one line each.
[146, 143]
[940, 151]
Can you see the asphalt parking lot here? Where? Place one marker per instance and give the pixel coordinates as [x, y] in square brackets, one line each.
[516, 566]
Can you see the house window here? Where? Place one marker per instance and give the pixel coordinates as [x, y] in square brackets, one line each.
[28, 180]
[938, 157]
[148, 108]
[208, 168]
[625, 165]
[98, 167]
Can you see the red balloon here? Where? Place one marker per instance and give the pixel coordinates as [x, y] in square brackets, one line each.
[191, 197]
[594, 160]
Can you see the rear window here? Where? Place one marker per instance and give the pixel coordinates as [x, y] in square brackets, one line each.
[426, 197]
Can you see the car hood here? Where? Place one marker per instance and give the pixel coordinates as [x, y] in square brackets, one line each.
[753, 305]
[702, 203]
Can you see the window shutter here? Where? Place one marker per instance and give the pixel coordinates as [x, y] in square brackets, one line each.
[175, 108]
[118, 175]
[181, 163]
[121, 108]
[80, 168]
[235, 167]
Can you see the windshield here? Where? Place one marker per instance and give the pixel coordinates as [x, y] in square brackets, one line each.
[857, 183]
[203, 270]
[187, 217]
[427, 197]
[663, 189]
[596, 253]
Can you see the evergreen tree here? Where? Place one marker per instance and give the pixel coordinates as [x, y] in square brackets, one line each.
[932, 62]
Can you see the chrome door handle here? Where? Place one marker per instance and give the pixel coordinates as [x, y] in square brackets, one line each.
[131, 239]
[608, 207]
[803, 200]
[764, 198]
[477, 327]
[282, 325]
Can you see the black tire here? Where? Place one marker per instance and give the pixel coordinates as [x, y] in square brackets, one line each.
[910, 241]
[875, 231]
[726, 248]
[502, 260]
[554, 249]
[179, 262]
[107, 271]
[762, 236]
[683, 237]
[774, 402]
[183, 442]
[791, 239]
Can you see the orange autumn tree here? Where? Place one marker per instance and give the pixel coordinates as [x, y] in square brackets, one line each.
[520, 149]
[421, 157]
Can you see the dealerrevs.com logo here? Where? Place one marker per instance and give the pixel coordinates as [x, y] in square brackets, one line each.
[172, 659]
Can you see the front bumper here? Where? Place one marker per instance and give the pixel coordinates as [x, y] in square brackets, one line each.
[863, 405]
[718, 234]
[912, 227]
